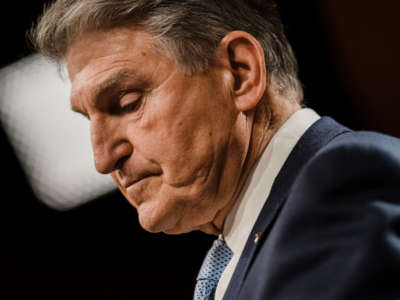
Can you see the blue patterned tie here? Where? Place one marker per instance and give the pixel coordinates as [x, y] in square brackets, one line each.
[211, 270]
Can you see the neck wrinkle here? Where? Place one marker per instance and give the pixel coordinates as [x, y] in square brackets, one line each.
[260, 135]
[267, 119]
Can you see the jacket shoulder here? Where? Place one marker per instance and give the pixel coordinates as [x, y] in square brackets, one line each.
[338, 231]
[355, 156]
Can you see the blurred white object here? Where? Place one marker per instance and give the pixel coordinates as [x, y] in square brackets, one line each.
[51, 142]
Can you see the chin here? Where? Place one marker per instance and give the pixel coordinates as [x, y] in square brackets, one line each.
[165, 226]
[168, 224]
[150, 224]
[173, 214]
[176, 231]
[155, 220]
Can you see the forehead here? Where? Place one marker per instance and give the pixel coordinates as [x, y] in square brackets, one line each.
[107, 48]
[99, 58]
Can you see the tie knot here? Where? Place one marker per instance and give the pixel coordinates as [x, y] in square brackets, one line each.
[211, 270]
[216, 260]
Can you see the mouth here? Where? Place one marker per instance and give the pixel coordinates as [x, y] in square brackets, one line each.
[139, 179]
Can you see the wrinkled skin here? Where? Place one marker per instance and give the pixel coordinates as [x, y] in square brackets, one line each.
[174, 144]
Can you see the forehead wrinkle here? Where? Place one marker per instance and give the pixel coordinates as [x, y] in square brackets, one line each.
[112, 82]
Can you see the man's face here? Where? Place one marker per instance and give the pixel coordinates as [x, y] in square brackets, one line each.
[162, 134]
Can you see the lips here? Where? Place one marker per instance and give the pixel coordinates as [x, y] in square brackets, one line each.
[138, 179]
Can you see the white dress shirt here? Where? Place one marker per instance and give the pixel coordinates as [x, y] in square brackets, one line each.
[254, 194]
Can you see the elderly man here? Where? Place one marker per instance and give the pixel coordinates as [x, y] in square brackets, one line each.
[195, 110]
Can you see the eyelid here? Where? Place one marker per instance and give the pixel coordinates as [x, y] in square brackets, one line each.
[125, 100]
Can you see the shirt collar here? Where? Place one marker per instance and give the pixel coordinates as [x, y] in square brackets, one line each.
[256, 189]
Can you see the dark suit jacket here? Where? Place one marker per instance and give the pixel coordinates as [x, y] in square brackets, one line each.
[330, 228]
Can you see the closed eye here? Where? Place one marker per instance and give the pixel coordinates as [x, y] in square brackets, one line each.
[130, 100]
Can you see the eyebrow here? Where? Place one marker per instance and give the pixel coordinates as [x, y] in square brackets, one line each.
[112, 82]
[108, 85]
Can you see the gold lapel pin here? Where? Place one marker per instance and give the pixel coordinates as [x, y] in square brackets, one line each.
[257, 237]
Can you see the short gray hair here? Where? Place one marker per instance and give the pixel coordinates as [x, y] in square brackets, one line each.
[189, 31]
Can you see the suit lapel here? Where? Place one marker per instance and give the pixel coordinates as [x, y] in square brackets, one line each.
[318, 135]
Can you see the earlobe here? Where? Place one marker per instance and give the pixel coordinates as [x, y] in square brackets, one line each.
[244, 57]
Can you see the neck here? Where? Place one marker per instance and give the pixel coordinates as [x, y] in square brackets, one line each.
[262, 123]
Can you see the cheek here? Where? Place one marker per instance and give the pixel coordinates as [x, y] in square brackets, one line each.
[188, 149]
[185, 132]
[172, 129]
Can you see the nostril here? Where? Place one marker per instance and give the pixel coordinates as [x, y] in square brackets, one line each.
[119, 165]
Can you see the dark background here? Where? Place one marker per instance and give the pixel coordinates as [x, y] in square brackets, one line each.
[348, 56]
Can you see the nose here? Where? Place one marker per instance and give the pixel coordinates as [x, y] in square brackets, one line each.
[110, 146]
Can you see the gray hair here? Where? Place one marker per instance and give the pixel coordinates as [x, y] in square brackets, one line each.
[188, 31]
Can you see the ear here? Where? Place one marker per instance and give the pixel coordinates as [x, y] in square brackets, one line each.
[243, 55]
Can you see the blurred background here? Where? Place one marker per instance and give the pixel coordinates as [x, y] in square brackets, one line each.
[349, 62]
